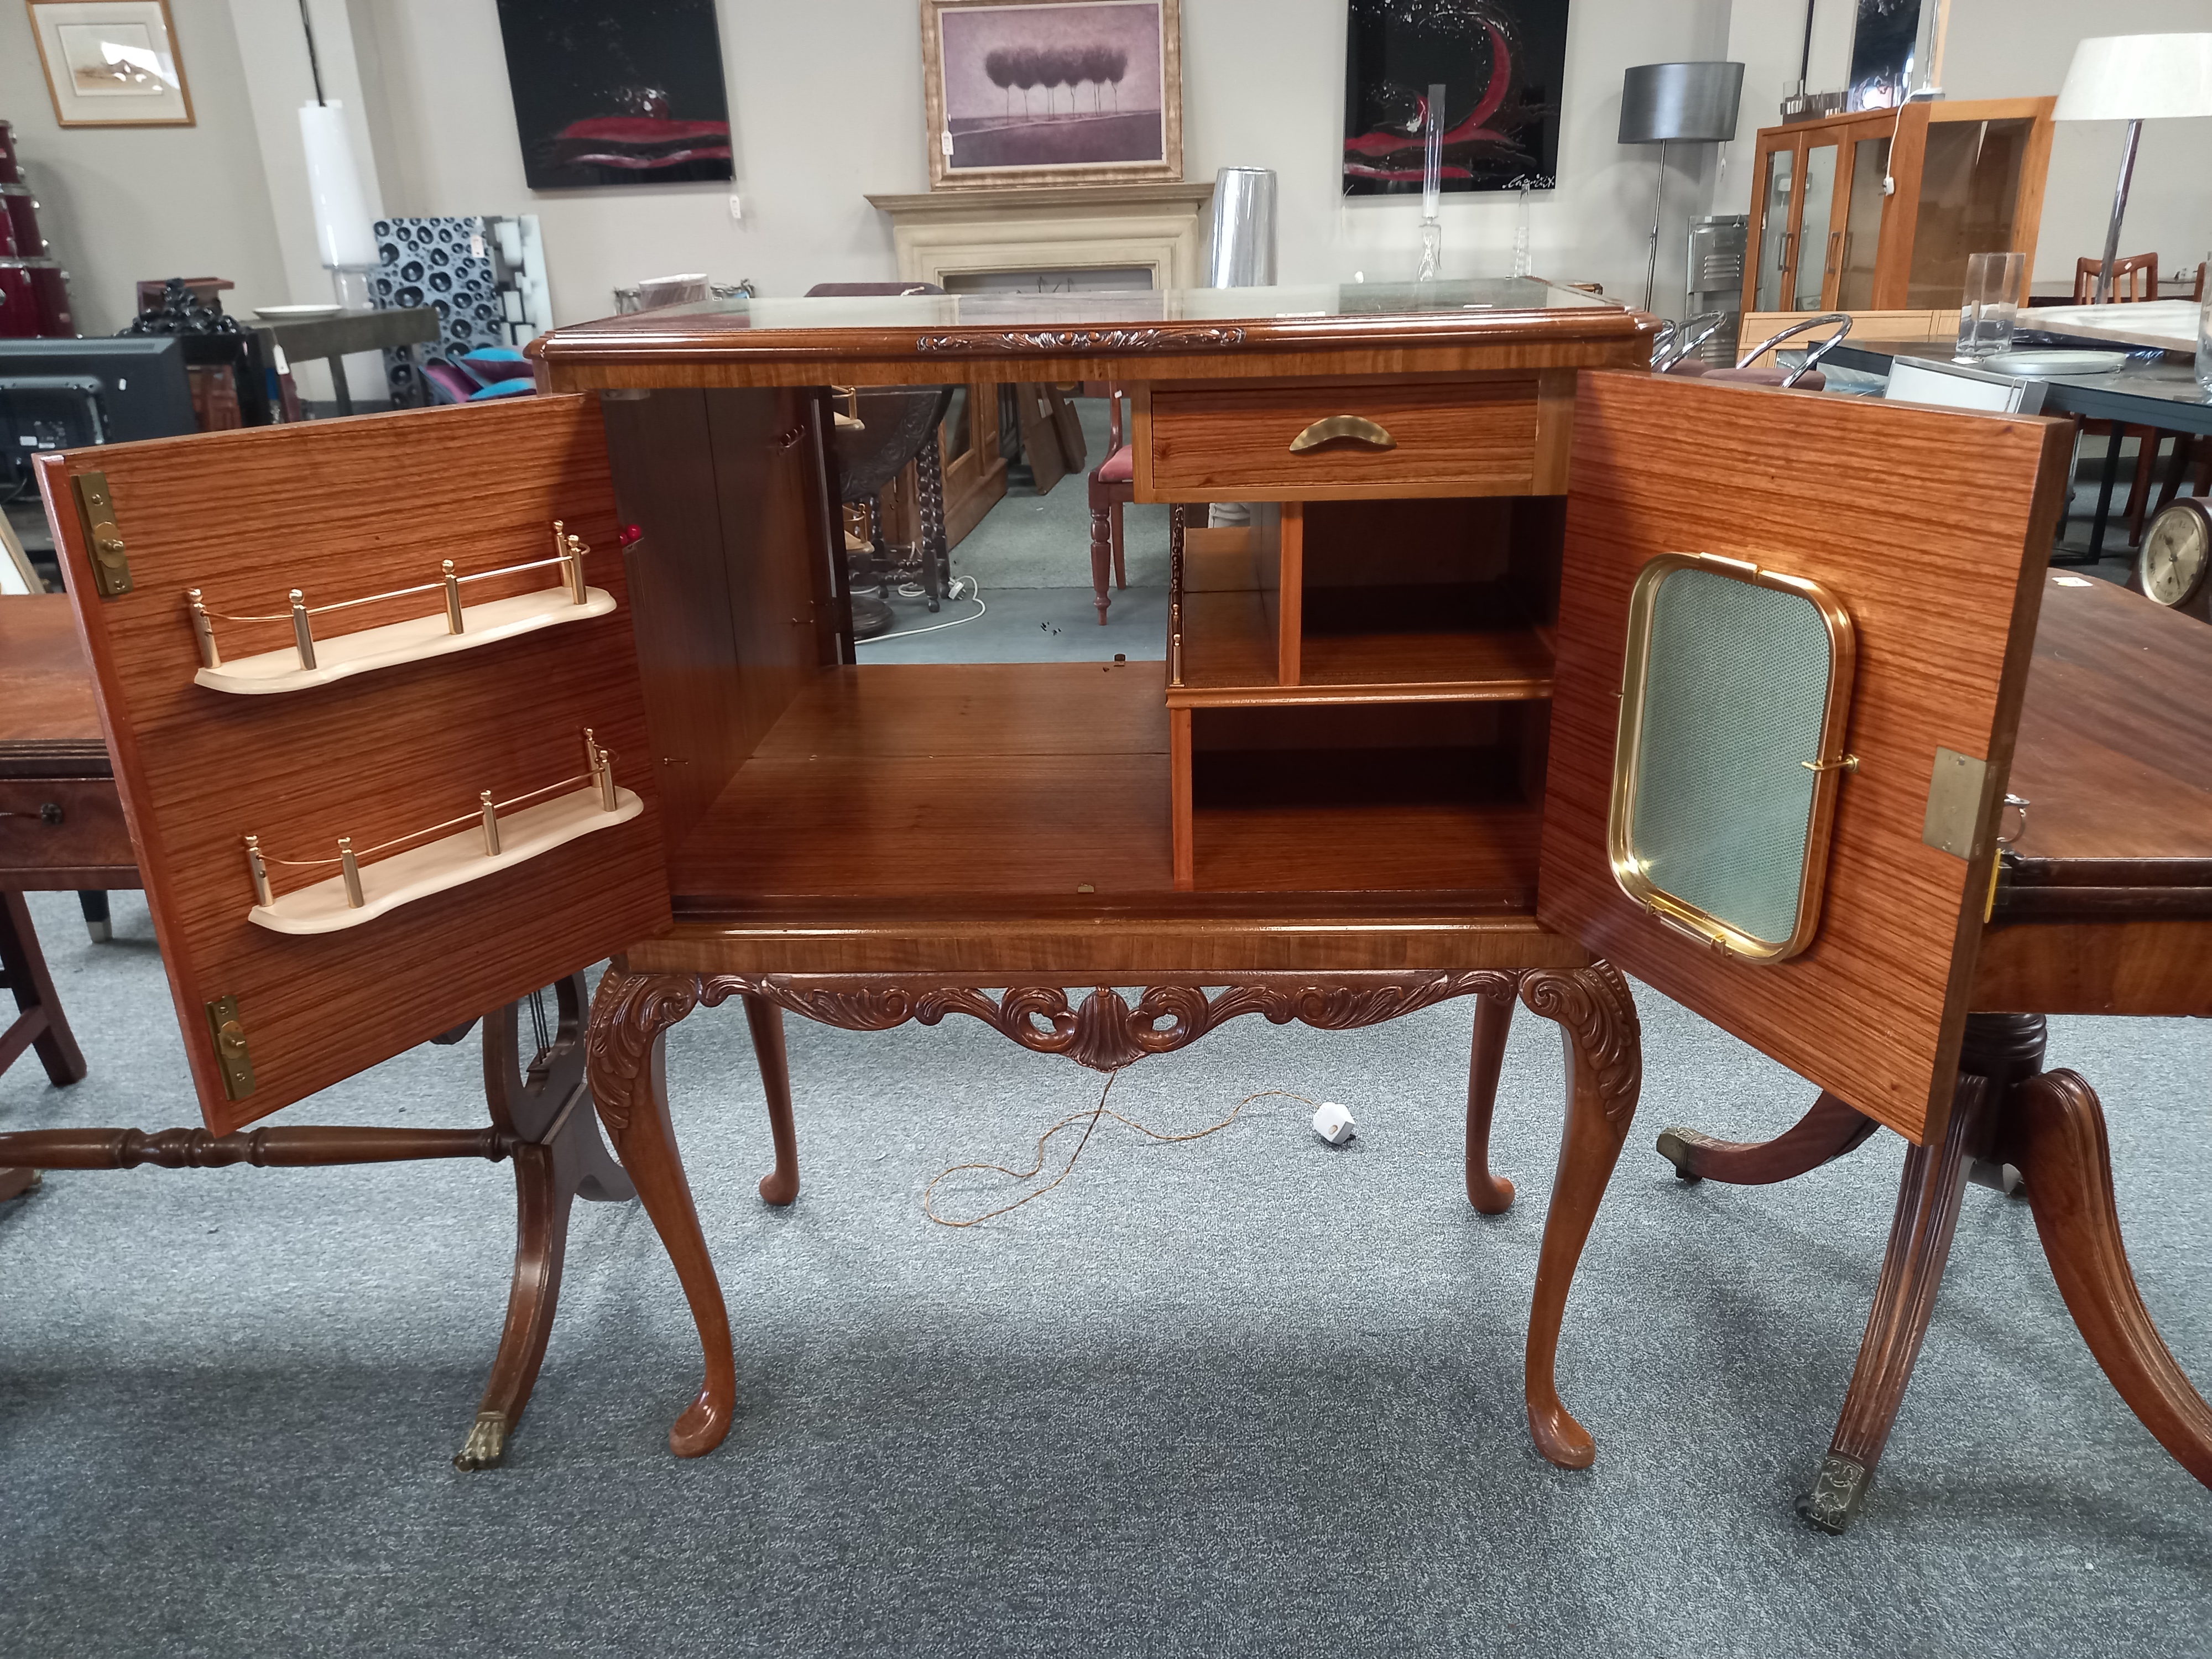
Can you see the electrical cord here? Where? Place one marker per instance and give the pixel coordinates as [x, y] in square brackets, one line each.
[1089, 1119]
[973, 593]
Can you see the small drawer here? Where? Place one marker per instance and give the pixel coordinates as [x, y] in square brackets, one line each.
[61, 823]
[1230, 443]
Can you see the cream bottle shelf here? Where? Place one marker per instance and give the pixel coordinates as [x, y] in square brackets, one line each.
[417, 640]
[451, 861]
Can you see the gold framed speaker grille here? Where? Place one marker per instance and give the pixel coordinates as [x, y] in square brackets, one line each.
[1735, 693]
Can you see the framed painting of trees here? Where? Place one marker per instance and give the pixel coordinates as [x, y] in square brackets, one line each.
[1052, 92]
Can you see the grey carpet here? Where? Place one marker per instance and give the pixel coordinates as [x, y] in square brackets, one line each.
[1245, 1397]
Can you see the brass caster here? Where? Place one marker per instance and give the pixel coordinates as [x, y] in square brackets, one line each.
[1836, 1497]
[486, 1446]
[1671, 1148]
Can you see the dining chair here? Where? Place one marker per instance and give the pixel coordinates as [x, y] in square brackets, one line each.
[2134, 279]
[1113, 485]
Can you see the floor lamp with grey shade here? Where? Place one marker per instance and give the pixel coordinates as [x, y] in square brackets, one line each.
[2134, 78]
[1676, 103]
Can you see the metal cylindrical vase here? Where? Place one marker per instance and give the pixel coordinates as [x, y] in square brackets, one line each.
[1243, 252]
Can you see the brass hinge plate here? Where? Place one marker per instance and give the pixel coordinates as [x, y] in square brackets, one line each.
[1954, 803]
[231, 1055]
[95, 506]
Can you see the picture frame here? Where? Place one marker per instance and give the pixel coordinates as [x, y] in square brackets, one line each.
[617, 94]
[1503, 66]
[1026, 93]
[112, 62]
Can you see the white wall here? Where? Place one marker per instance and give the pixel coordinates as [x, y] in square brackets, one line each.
[122, 203]
[2003, 49]
[826, 99]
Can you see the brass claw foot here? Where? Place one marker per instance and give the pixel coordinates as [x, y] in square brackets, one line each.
[486, 1446]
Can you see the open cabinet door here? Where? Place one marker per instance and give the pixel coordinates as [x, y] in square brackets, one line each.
[1928, 532]
[394, 739]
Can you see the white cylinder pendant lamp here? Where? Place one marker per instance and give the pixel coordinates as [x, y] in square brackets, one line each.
[345, 232]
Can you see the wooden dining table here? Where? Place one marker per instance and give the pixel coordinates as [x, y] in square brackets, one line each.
[2103, 905]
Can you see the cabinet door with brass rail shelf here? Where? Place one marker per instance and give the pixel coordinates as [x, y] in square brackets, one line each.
[373, 702]
[1780, 728]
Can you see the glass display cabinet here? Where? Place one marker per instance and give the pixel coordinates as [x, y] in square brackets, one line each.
[1968, 179]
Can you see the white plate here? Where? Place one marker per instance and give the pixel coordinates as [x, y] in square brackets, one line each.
[2033, 361]
[295, 313]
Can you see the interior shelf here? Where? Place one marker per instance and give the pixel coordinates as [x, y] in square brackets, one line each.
[1410, 795]
[341, 656]
[451, 861]
[1356, 653]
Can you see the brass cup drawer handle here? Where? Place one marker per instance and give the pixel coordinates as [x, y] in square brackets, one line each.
[1356, 427]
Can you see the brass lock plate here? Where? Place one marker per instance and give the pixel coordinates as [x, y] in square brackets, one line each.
[231, 1055]
[111, 568]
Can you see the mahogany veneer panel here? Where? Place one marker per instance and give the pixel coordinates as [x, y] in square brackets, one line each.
[1932, 529]
[45, 685]
[1472, 437]
[342, 508]
[1079, 941]
[1505, 664]
[1489, 849]
[2115, 750]
[933, 779]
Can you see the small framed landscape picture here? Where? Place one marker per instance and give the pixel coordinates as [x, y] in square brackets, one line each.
[111, 63]
[1052, 92]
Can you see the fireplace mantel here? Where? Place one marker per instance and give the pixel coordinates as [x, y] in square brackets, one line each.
[1060, 227]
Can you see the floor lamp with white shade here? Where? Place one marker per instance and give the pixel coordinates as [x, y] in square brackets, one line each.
[2135, 78]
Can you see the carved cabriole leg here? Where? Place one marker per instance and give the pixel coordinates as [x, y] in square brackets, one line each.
[1596, 1018]
[779, 1185]
[1492, 1195]
[1928, 1199]
[1831, 1128]
[1101, 558]
[2055, 1132]
[557, 1155]
[630, 1018]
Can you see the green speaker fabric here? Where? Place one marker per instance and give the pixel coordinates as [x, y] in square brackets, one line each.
[1737, 683]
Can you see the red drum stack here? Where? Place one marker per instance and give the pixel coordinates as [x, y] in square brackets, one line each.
[33, 288]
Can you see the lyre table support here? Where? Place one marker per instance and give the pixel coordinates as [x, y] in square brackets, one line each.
[1104, 1031]
[2010, 1115]
[541, 1118]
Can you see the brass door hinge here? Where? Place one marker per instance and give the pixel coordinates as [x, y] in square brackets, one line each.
[111, 569]
[1954, 803]
[230, 1051]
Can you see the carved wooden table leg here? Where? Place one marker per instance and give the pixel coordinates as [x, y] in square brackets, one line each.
[546, 1111]
[779, 1185]
[1831, 1129]
[2055, 1132]
[1605, 1071]
[1492, 1195]
[1920, 1234]
[630, 1018]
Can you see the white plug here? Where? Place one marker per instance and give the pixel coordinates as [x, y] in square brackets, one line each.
[1333, 1123]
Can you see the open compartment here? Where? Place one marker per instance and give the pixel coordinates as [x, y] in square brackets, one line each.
[1370, 601]
[1455, 596]
[1377, 796]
